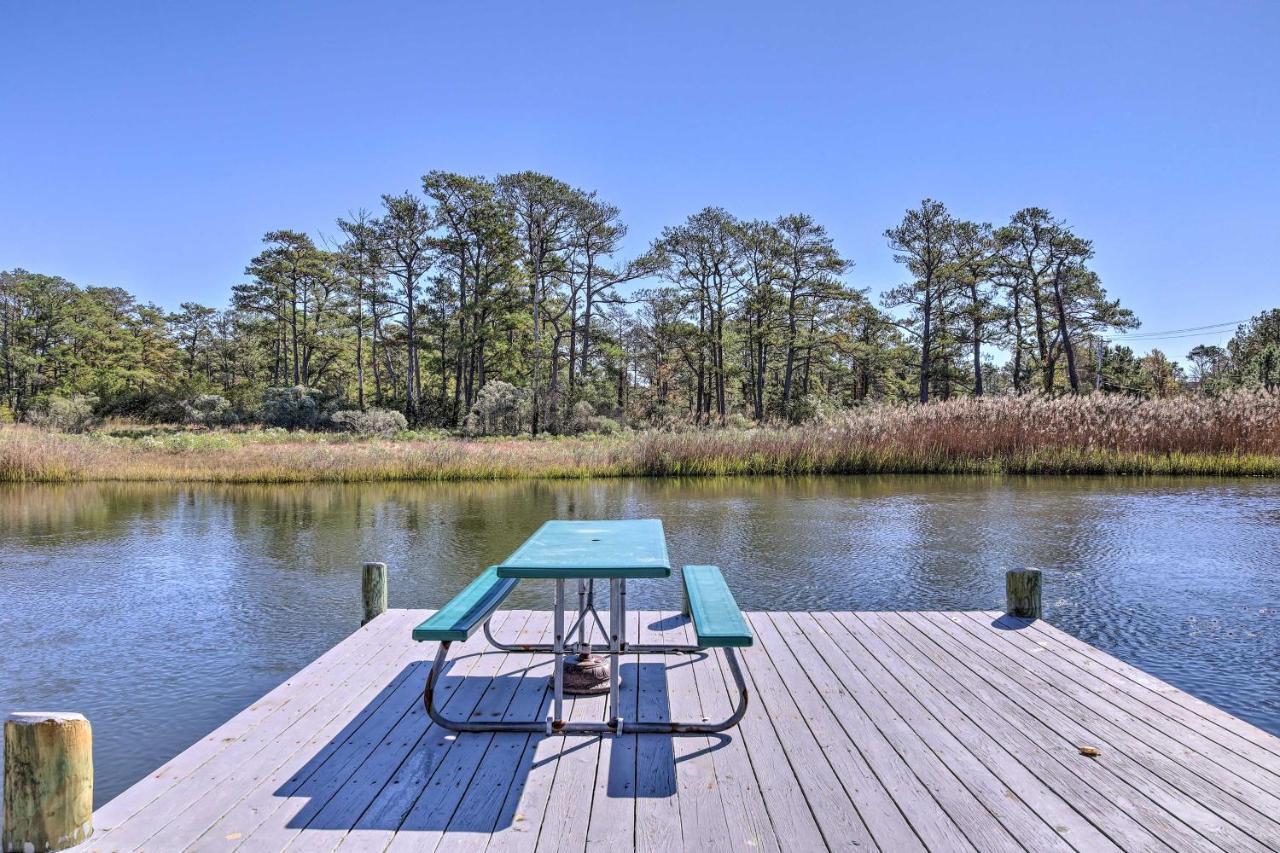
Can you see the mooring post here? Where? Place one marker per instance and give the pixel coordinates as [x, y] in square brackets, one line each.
[1022, 593]
[48, 781]
[375, 591]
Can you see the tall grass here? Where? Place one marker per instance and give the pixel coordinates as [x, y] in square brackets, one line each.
[1236, 434]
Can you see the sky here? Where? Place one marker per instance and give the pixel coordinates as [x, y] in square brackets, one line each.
[151, 145]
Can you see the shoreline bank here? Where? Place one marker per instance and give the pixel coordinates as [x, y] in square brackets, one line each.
[31, 456]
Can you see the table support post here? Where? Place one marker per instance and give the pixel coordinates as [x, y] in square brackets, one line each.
[558, 676]
[617, 624]
[583, 651]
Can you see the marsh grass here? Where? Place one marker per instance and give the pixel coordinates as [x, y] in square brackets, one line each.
[1236, 434]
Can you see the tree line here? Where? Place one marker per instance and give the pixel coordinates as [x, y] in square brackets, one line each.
[518, 284]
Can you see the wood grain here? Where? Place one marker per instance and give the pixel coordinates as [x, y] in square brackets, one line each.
[864, 731]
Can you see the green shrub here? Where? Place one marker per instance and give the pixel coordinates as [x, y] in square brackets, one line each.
[580, 418]
[499, 409]
[381, 422]
[209, 410]
[293, 408]
[65, 414]
[602, 425]
[810, 409]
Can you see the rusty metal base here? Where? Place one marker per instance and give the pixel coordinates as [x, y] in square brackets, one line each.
[586, 675]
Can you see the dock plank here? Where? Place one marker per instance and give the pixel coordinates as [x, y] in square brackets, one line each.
[347, 784]
[1144, 683]
[612, 824]
[564, 825]
[949, 815]
[434, 804]
[788, 809]
[198, 784]
[866, 731]
[750, 827]
[480, 812]
[703, 823]
[815, 689]
[1242, 794]
[303, 785]
[130, 802]
[837, 816]
[978, 763]
[1208, 738]
[993, 714]
[1185, 821]
[233, 808]
[658, 826]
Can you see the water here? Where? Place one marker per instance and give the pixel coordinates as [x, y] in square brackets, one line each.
[161, 611]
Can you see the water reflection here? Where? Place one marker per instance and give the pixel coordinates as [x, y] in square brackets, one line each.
[163, 609]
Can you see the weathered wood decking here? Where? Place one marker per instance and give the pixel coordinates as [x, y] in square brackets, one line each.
[889, 731]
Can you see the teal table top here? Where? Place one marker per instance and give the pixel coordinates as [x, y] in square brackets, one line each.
[591, 549]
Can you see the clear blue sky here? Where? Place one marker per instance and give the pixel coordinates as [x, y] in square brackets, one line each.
[150, 145]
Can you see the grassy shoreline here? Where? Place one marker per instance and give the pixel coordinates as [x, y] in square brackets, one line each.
[1231, 436]
[428, 466]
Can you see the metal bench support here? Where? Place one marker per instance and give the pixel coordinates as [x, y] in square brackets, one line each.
[615, 726]
[717, 621]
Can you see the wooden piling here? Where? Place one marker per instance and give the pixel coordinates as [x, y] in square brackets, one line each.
[375, 591]
[48, 781]
[1022, 593]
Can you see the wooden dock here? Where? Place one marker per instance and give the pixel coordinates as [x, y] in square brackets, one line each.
[866, 731]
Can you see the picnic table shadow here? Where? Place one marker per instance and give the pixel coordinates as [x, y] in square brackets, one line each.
[388, 770]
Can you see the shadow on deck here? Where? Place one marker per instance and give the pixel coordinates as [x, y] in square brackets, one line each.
[888, 731]
[427, 769]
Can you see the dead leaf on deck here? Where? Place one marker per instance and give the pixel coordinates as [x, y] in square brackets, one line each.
[1091, 751]
[235, 836]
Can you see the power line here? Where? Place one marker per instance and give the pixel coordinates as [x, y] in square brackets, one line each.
[1188, 329]
[1124, 340]
[1191, 331]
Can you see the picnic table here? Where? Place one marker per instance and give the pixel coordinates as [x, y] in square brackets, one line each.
[584, 552]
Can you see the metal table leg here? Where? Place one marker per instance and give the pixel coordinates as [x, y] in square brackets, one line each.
[585, 673]
[557, 715]
[617, 624]
[583, 650]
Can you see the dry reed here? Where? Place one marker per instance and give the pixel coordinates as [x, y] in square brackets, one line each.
[1235, 434]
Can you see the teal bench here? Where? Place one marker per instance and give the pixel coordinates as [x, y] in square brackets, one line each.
[716, 617]
[460, 618]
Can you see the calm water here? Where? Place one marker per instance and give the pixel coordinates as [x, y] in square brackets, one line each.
[161, 611]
